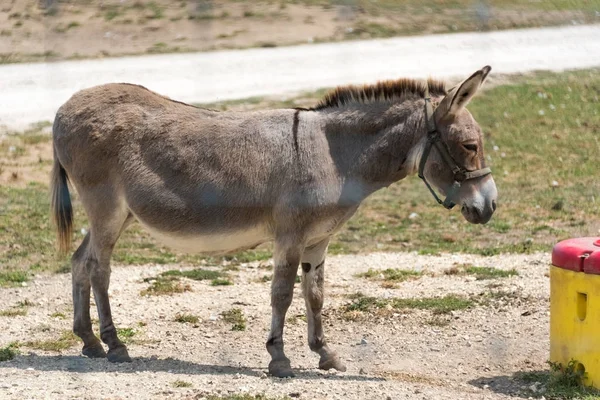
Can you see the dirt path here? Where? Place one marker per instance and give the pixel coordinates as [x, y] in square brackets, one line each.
[468, 354]
[33, 92]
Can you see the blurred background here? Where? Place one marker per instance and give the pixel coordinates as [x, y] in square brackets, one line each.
[73, 29]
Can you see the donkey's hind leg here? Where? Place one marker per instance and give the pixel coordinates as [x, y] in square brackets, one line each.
[313, 277]
[104, 236]
[82, 324]
[108, 217]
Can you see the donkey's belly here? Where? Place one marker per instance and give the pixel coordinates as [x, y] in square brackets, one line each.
[213, 243]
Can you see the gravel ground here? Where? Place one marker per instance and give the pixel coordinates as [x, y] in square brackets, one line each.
[396, 355]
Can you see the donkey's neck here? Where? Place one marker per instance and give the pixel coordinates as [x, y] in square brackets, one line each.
[379, 143]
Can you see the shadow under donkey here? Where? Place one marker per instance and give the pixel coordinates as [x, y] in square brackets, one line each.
[79, 364]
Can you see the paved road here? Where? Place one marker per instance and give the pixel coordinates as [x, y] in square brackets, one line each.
[33, 92]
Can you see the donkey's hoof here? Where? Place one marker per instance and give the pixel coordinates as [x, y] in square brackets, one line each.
[118, 355]
[332, 362]
[94, 351]
[281, 369]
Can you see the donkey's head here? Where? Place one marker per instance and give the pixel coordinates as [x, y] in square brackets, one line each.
[453, 159]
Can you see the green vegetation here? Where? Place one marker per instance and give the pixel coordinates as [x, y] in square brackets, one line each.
[236, 317]
[182, 384]
[392, 275]
[13, 278]
[9, 352]
[562, 382]
[168, 282]
[164, 285]
[244, 397]
[481, 273]
[186, 318]
[66, 340]
[362, 305]
[195, 274]
[221, 282]
[126, 334]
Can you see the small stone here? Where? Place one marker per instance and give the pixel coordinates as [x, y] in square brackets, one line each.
[363, 341]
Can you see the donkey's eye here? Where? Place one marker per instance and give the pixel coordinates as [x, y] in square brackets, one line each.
[470, 147]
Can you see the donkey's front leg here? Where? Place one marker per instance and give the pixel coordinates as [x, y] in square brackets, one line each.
[286, 258]
[313, 277]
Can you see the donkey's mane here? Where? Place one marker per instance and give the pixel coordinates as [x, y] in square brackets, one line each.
[390, 90]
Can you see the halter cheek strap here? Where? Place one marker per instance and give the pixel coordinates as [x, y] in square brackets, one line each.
[433, 140]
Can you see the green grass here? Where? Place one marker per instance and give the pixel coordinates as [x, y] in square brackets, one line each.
[561, 382]
[481, 273]
[221, 282]
[13, 278]
[195, 274]
[164, 286]
[126, 334]
[9, 352]
[235, 316]
[391, 274]
[66, 340]
[362, 304]
[186, 318]
[181, 384]
[244, 397]
[168, 282]
[14, 312]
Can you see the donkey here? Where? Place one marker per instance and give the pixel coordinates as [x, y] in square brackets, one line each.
[214, 182]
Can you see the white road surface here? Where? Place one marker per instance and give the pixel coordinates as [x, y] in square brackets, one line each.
[33, 92]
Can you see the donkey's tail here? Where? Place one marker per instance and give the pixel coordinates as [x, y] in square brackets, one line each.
[62, 209]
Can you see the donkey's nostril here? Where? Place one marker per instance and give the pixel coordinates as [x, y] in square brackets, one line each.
[493, 205]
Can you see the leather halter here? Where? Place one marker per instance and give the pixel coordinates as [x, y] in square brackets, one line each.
[433, 140]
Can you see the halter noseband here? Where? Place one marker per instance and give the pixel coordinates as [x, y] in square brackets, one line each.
[434, 140]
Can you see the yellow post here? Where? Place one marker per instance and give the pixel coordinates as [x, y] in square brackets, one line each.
[575, 306]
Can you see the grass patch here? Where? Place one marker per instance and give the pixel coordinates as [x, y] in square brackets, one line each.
[66, 340]
[181, 384]
[235, 316]
[244, 397]
[362, 305]
[561, 382]
[13, 312]
[186, 318]
[126, 334]
[168, 282]
[221, 282]
[20, 309]
[195, 274]
[13, 278]
[390, 276]
[58, 315]
[164, 285]
[480, 273]
[9, 352]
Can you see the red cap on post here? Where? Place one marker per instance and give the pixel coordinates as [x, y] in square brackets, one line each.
[579, 255]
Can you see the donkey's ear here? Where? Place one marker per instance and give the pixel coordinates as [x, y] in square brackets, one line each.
[460, 95]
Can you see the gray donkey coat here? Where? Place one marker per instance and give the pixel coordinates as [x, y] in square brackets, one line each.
[217, 182]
